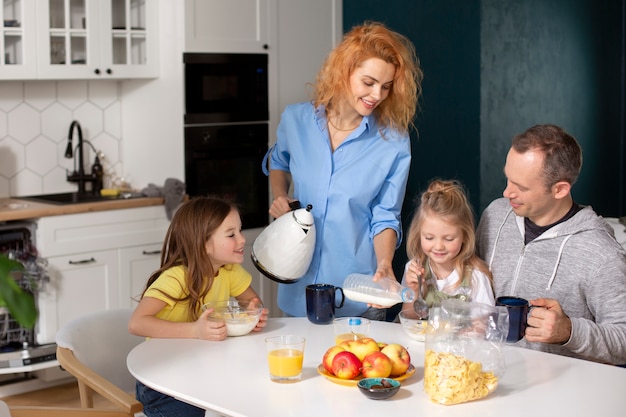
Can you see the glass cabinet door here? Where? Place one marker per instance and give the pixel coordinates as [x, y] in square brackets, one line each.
[68, 28]
[17, 39]
[12, 33]
[128, 32]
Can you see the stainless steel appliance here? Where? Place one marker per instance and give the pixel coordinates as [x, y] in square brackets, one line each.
[18, 345]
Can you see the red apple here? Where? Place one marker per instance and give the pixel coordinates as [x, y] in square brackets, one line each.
[346, 365]
[399, 357]
[327, 360]
[361, 347]
[376, 365]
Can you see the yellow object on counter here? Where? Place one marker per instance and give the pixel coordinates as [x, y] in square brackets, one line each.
[109, 192]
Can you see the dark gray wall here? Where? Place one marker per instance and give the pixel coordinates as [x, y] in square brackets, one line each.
[555, 61]
[494, 68]
[447, 41]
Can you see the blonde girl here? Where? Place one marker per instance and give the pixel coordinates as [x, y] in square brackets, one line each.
[441, 248]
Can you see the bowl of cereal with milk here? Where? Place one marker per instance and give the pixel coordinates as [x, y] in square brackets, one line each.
[240, 317]
[414, 327]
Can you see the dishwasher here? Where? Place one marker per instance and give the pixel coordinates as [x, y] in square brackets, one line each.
[19, 350]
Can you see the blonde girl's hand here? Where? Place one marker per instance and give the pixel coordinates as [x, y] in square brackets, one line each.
[414, 271]
[206, 329]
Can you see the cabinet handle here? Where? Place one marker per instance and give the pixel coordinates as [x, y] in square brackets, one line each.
[109, 71]
[151, 252]
[97, 71]
[266, 46]
[84, 261]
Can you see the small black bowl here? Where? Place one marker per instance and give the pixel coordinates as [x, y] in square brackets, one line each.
[379, 388]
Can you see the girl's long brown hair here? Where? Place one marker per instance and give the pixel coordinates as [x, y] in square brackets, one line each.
[192, 226]
[447, 200]
[373, 40]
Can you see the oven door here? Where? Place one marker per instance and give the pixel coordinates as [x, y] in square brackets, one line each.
[225, 160]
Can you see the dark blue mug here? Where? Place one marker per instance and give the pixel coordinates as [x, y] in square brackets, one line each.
[321, 302]
[518, 316]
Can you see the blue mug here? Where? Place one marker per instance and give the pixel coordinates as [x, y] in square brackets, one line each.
[321, 302]
[518, 309]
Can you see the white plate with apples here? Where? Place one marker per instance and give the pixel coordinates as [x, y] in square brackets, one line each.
[352, 360]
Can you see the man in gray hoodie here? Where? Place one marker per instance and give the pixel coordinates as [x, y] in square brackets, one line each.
[542, 246]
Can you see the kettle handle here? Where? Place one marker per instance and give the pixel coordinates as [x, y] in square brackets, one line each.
[295, 205]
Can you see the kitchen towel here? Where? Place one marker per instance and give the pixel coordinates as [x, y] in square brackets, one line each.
[173, 191]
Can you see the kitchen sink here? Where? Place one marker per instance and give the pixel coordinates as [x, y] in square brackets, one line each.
[76, 198]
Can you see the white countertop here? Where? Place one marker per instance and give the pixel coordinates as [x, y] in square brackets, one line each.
[231, 377]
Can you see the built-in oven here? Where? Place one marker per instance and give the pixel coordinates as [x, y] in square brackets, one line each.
[225, 88]
[227, 130]
[225, 160]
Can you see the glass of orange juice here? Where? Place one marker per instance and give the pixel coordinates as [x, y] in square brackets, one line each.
[350, 328]
[285, 355]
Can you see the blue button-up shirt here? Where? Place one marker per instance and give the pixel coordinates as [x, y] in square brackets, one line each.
[356, 192]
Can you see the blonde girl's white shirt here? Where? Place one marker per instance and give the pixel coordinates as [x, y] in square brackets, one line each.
[481, 291]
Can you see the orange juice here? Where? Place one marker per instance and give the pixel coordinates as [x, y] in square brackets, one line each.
[285, 363]
[348, 336]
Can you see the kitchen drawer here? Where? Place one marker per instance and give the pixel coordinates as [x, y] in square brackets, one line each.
[77, 233]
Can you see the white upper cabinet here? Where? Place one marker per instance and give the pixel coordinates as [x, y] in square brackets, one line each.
[91, 39]
[79, 39]
[237, 26]
[17, 46]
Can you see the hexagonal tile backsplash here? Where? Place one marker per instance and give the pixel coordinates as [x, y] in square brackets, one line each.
[35, 117]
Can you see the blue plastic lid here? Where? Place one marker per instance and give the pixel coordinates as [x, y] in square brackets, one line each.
[354, 322]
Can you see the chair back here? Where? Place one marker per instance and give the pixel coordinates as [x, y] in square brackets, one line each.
[4, 409]
[102, 342]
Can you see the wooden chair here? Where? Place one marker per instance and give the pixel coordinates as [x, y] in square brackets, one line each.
[28, 411]
[93, 348]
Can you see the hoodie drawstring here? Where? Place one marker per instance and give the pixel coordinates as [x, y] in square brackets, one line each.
[495, 243]
[558, 261]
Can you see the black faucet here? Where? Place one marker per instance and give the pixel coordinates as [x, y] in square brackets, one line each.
[79, 176]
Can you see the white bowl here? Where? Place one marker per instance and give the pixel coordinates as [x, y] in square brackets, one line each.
[414, 327]
[240, 317]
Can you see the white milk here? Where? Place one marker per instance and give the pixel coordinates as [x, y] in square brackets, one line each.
[383, 299]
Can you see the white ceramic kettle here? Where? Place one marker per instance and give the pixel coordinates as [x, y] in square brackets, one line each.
[283, 251]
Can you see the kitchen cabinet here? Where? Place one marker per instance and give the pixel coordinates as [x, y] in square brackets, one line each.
[96, 261]
[227, 26]
[81, 283]
[18, 42]
[136, 263]
[304, 32]
[79, 39]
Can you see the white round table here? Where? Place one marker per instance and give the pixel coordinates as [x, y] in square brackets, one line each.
[232, 378]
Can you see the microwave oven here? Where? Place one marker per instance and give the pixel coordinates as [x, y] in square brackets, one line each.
[225, 88]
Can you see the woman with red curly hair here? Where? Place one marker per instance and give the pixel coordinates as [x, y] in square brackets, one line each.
[347, 153]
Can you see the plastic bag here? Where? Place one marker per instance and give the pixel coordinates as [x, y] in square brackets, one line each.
[463, 357]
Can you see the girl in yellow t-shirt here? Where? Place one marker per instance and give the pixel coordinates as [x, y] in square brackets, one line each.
[200, 262]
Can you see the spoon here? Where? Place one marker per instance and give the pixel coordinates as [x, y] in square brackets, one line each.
[419, 305]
